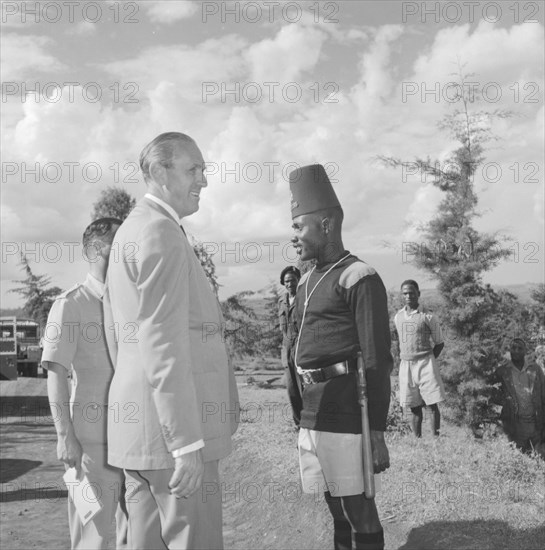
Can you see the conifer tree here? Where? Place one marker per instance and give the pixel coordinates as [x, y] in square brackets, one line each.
[37, 292]
[456, 255]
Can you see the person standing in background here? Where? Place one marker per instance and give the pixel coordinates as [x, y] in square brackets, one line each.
[289, 278]
[523, 400]
[79, 348]
[420, 344]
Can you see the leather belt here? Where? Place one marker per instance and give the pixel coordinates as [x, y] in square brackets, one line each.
[314, 376]
[525, 418]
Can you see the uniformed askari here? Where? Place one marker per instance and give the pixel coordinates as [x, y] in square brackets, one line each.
[341, 308]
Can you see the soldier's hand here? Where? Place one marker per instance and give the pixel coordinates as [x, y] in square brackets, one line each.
[187, 476]
[381, 456]
[70, 452]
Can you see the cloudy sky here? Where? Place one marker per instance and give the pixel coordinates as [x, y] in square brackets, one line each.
[264, 87]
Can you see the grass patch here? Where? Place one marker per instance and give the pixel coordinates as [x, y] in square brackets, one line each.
[454, 492]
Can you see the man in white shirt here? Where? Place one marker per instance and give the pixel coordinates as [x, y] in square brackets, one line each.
[74, 342]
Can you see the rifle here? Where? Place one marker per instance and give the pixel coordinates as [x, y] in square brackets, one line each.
[368, 473]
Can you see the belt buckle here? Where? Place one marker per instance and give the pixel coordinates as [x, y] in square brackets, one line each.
[307, 377]
[344, 366]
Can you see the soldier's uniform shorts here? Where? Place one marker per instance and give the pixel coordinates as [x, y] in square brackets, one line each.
[419, 382]
[331, 462]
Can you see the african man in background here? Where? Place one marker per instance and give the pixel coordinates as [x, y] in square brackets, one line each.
[289, 278]
[420, 343]
[523, 412]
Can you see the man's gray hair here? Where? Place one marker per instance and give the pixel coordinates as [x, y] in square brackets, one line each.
[162, 150]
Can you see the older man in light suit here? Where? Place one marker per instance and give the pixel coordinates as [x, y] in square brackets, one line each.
[173, 399]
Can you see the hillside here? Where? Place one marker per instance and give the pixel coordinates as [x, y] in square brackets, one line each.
[258, 299]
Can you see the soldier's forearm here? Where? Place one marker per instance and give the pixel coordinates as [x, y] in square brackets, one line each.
[59, 399]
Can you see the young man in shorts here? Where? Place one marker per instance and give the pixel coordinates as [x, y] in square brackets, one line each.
[420, 343]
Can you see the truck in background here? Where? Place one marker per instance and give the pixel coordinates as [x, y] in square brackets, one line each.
[20, 351]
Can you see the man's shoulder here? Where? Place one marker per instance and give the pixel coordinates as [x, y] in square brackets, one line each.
[533, 366]
[67, 304]
[429, 314]
[147, 228]
[145, 213]
[71, 294]
[355, 272]
[503, 369]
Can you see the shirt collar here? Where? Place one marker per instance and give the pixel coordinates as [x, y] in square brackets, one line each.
[164, 205]
[523, 369]
[95, 285]
[413, 312]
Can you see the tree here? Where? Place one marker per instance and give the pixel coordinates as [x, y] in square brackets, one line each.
[537, 308]
[395, 303]
[37, 292]
[241, 330]
[272, 337]
[457, 255]
[114, 202]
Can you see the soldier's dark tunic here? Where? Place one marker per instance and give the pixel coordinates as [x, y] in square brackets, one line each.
[347, 312]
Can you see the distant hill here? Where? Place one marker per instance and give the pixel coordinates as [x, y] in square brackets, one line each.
[429, 296]
[522, 292]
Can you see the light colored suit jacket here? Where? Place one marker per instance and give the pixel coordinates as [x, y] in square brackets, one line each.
[173, 383]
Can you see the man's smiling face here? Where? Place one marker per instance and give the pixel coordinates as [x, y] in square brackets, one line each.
[308, 236]
[185, 178]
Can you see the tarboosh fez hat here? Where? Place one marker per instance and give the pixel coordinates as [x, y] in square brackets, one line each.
[311, 190]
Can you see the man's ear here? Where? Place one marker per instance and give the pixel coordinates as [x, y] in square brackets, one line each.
[103, 247]
[157, 172]
[326, 225]
[92, 251]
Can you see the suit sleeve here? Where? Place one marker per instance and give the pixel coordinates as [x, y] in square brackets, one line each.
[367, 300]
[109, 327]
[163, 320]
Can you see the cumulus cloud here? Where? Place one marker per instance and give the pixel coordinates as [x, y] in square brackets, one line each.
[188, 67]
[169, 12]
[83, 28]
[23, 54]
[284, 58]
[367, 118]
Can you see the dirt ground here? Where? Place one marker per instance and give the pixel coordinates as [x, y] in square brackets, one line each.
[33, 497]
